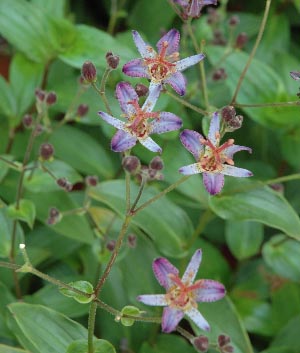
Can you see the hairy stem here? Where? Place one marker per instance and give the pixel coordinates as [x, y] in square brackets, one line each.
[262, 105]
[187, 104]
[101, 90]
[91, 326]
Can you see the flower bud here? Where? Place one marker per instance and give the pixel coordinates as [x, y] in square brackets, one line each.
[233, 21]
[27, 121]
[156, 163]
[201, 343]
[82, 110]
[228, 113]
[54, 216]
[112, 60]
[51, 98]
[141, 90]
[40, 94]
[64, 184]
[227, 349]
[46, 151]
[241, 40]
[223, 340]
[110, 245]
[89, 72]
[295, 75]
[219, 74]
[131, 164]
[131, 240]
[38, 130]
[91, 180]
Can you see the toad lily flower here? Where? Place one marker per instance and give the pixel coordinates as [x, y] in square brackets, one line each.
[193, 8]
[182, 294]
[213, 160]
[141, 121]
[163, 66]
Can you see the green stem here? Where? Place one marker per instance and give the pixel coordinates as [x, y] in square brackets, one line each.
[203, 221]
[10, 163]
[283, 179]
[163, 193]
[91, 326]
[101, 90]
[187, 104]
[132, 209]
[253, 52]
[113, 17]
[185, 334]
[261, 105]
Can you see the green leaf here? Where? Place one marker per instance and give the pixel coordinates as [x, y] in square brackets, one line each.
[8, 102]
[83, 286]
[244, 200]
[243, 238]
[5, 299]
[129, 310]
[25, 212]
[82, 152]
[8, 349]
[100, 346]
[282, 256]
[45, 330]
[161, 218]
[55, 8]
[4, 167]
[288, 336]
[167, 343]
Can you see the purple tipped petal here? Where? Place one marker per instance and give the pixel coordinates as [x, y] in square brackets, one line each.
[173, 38]
[187, 62]
[135, 68]
[150, 144]
[192, 268]
[214, 128]
[154, 92]
[178, 82]
[295, 75]
[170, 319]
[195, 8]
[235, 171]
[198, 319]
[191, 169]
[231, 150]
[210, 291]
[166, 122]
[213, 182]
[126, 93]
[191, 141]
[122, 141]
[112, 121]
[162, 268]
[153, 299]
[144, 49]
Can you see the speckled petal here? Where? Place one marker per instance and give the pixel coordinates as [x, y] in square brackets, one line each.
[192, 268]
[189, 61]
[214, 129]
[170, 319]
[135, 68]
[122, 141]
[162, 268]
[150, 144]
[166, 122]
[191, 141]
[126, 93]
[144, 49]
[153, 299]
[195, 8]
[178, 82]
[173, 38]
[210, 291]
[112, 121]
[198, 319]
[191, 169]
[154, 92]
[213, 182]
[235, 171]
[231, 150]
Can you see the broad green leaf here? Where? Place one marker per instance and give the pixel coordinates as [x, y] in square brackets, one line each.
[41, 181]
[168, 343]
[5, 299]
[282, 256]
[55, 8]
[167, 224]
[93, 44]
[288, 336]
[8, 349]
[243, 238]
[244, 200]
[83, 286]
[45, 330]
[281, 350]
[290, 146]
[8, 104]
[100, 346]
[25, 212]
[81, 151]
[4, 167]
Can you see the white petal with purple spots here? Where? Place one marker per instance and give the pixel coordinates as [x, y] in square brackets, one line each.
[213, 182]
[125, 94]
[187, 62]
[214, 129]
[153, 299]
[112, 121]
[210, 291]
[198, 319]
[191, 141]
[192, 268]
[136, 68]
[150, 144]
[166, 122]
[235, 171]
[170, 319]
[173, 38]
[144, 49]
[191, 169]
[162, 268]
[178, 82]
[122, 141]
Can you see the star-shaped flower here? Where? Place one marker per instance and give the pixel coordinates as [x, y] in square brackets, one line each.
[192, 8]
[163, 66]
[140, 121]
[182, 294]
[213, 160]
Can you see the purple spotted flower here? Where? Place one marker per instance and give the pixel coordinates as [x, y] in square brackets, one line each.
[140, 121]
[192, 8]
[213, 160]
[183, 294]
[163, 66]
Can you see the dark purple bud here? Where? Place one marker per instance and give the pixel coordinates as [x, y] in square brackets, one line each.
[82, 110]
[131, 239]
[241, 40]
[40, 94]
[110, 245]
[91, 180]
[131, 164]
[112, 60]
[278, 187]
[156, 163]
[38, 130]
[234, 21]
[46, 151]
[223, 340]
[295, 75]
[51, 98]
[201, 343]
[219, 74]
[89, 72]
[141, 90]
[54, 212]
[64, 184]
[227, 349]
[27, 121]
[54, 216]
[228, 113]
